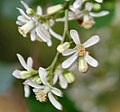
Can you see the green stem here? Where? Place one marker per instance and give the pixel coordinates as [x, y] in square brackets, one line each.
[52, 66]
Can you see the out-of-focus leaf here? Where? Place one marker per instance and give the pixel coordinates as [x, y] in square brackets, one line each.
[6, 78]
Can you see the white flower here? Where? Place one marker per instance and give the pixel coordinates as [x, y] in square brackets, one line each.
[28, 72]
[45, 90]
[80, 52]
[58, 75]
[85, 17]
[29, 23]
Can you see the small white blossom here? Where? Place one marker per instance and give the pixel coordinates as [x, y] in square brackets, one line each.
[30, 23]
[28, 72]
[45, 90]
[25, 74]
[85, 17]
[80, 52]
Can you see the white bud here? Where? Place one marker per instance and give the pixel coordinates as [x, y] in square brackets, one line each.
[54, 9]
[83, 66]
[63, 47]
[69, 77]
[26, 28]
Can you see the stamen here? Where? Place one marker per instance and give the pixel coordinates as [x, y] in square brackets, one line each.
[81, 51]
[41, 96]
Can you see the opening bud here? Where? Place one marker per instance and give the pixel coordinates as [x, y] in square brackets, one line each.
[83, 66]
[54, 9]
[63, 47]
[69, 77]
[26, 28]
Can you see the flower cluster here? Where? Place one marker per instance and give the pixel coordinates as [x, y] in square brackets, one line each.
[85, 17]
[39, 26]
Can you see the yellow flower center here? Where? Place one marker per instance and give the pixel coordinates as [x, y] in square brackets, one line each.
[81, 51]
[41, 96]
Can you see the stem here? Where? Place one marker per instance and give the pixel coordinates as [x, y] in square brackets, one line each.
[52, 66]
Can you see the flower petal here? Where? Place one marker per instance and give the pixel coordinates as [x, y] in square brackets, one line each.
[39, 10]
[33, 84]
[19, 23]
[42, 75]
[30, 62]
[100, 14]
[91, 61]
[77, 4]
[54, 102]
[68, 62]
[22, 19]
[60, 19]
[88, 6]
[62, 81]
[23, 13]
[68, 52]
[16, 74]
[91, 41]
[26, 91]
[33, 35]
[57, 36]
[43, 34]
[99, 1]
[51, 22]
[74, 35]
[55, 78]
[25, 4]
[22, 61]
[57, 92]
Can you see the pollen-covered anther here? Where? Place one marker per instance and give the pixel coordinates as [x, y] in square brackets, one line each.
[41, 96]
[81, 51]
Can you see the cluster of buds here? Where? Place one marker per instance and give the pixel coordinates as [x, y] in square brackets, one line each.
[39, 26]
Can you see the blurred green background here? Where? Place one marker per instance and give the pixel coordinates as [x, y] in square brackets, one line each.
[96, 91]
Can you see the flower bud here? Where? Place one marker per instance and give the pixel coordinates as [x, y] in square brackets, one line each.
[37, 80]
[96, 6]
[30, 11]
[26, 28]
[63, 47]
[83, 66]
[69, 77]
[25, 74]
[54, 9]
